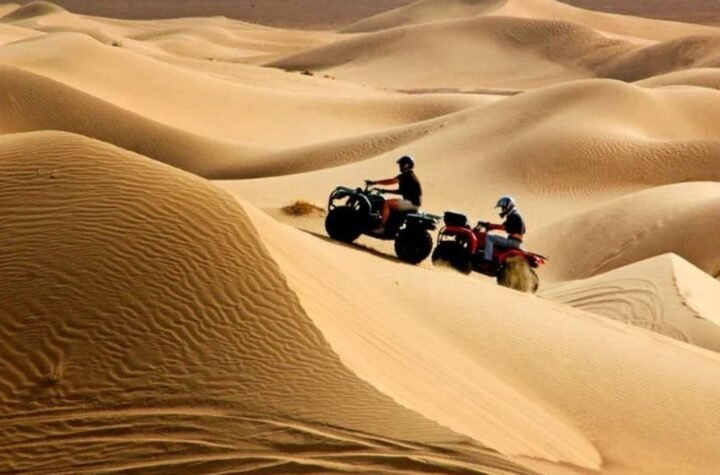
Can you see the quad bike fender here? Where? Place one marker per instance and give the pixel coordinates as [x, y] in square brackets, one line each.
[422, 221]
[535, 260]
[342, 192]
[464, 233]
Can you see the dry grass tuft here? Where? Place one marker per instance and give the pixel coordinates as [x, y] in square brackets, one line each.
[302, 208]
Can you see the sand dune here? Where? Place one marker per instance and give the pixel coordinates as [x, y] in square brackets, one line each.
[424, 11]
[259, 116]
[501, 51]
[9, 33]
[208, 38]
[537, 147]
[224, 374]
[234, 125]
[428, 11]
[494, 52]
[675, 218]
[701, 77]
[684, 53]
[664, 294]
[227, 42]
[47, 104]
[543, 351]
[31, 10]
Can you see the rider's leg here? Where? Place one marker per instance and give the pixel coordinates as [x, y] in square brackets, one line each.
[388, 207]
[493, 240]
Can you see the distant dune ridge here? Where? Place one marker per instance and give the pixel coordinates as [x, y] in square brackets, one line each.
[157, 322]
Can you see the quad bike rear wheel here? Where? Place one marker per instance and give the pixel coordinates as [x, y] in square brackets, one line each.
[413, 245]
[454, 254]
[344, 224]
[517, 274]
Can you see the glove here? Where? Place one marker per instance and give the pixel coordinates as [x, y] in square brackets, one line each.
[369, 182]
[483, 224]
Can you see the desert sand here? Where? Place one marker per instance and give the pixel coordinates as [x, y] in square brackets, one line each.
[161, 313]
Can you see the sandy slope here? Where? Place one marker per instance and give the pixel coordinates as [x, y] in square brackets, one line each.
[427, 11]
[255, 115]
[624, 380]
[10, 33]
[510, 51]
[702, 77]
[424, 11]
[493, 52]
[676, 218]
[544, 154]
[664, 294]
[506, 44]
[148, 329]
[674, 55]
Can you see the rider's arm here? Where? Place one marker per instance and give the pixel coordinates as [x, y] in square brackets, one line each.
[388, 181]
[496, 227]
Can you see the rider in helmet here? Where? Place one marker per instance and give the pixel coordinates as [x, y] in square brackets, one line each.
[514, 226]
[408, 187]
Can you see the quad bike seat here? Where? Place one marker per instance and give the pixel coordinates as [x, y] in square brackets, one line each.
[453, 218]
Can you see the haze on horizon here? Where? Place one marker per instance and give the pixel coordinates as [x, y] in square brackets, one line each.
[335, 13]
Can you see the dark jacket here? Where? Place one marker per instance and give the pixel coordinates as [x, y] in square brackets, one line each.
[410, 188]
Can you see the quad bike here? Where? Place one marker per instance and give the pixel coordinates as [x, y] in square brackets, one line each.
[463, 247]
[356, 211]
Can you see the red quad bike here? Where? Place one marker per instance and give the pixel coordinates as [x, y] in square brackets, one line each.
[356, 211]
[462, 247]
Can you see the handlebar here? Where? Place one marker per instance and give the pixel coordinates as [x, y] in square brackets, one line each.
[370, 187]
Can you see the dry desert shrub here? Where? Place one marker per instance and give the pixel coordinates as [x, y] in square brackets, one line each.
[302, 208]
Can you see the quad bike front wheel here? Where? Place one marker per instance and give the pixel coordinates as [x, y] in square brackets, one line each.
[517, 274]
[344, 224]
[454, 254]
[413, 245]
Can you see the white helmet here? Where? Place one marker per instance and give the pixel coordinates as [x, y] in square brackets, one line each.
[506, 205]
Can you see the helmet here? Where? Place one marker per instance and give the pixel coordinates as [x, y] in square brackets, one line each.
[406, 163]
[506, 205]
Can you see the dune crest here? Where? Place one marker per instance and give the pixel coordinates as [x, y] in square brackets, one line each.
[32, 10]
[424, 11]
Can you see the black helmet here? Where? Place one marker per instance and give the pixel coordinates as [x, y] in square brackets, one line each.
[506, 205]
[406, 163]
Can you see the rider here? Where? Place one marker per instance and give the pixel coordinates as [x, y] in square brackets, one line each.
[408, 186]
[514, 226]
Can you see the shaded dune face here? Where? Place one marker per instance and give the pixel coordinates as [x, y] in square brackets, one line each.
[145, 327]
